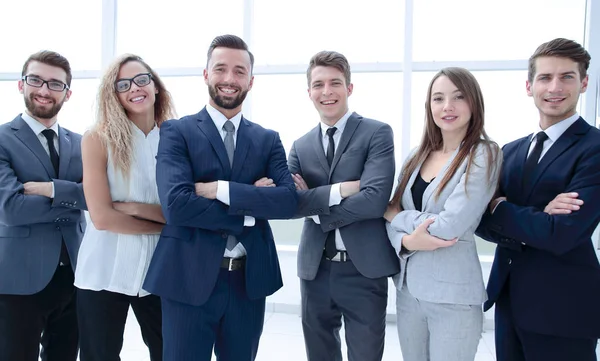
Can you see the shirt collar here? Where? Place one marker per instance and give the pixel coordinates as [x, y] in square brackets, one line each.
[219, 119]
[36, 126]
[555, 131]
[340, 125]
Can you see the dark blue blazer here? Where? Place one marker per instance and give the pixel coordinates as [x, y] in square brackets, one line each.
[550, 260]
[33, 227]
[187, 259]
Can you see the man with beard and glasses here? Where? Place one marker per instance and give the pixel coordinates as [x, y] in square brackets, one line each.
[220, 178]
[41, 218]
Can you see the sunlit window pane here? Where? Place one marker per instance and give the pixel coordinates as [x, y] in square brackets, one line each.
[492, 30]
[290, 32]
[30, 26]
[175, 33]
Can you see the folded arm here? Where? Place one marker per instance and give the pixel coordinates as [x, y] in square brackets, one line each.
[176, 188]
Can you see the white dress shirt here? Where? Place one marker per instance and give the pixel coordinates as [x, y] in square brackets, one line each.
[38, 128]
[223, 186]
[335, 196]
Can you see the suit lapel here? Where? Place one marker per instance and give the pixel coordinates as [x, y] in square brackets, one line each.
[207, 126]
[31, 141]
[435, 183]
[349, 130]
[318, 147]
[564, 142]
[242, 146]
[64, 149]
[409, 202]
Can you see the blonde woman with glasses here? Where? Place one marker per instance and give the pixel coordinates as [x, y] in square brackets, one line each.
[119, 168]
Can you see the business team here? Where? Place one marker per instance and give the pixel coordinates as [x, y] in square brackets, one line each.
[201, 285]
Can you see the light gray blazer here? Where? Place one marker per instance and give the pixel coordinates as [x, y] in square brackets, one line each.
[452, 274]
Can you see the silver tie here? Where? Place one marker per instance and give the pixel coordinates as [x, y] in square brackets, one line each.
[230, 148]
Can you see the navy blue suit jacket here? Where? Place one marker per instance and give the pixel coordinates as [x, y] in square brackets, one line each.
[550, 260]
[187, 259]
[33, 227]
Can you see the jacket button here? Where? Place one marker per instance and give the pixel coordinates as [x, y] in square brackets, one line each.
[224, 235]
[509, 261]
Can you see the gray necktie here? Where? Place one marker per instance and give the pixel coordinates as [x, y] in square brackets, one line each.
[230, 148]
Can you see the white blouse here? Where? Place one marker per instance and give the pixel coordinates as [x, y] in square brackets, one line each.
[118, 262]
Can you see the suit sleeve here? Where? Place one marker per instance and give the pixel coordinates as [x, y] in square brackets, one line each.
[557, 234]
[465, 205]
[175, 180]
[17, 208]
[69, 194]
[376, 183]
[311, 202]
[277, 202]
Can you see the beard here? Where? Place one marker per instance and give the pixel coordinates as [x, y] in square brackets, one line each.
[40, 112]
[227, 102]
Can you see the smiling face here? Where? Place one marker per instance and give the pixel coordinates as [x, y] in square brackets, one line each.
[449, 107]
[138, 99]
[329, 93]
[555, 88]
[229, 79]
[43, 103]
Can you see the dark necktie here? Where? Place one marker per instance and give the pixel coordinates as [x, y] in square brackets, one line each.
[331, 147]
[230, 148]
[330, 248]
[534, 157]
[49, 134]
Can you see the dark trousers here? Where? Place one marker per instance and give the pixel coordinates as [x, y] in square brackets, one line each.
[229, 321]
[47, 317]
[515, 344]
[337, 291]
[102, 316]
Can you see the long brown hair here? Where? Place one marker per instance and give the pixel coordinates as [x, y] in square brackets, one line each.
[112, 123]
[432, 135]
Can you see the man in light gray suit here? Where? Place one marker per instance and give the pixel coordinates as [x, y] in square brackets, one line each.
[344, 171]
[41, 218]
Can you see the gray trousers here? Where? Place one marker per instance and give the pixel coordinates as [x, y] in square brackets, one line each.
[437, 331]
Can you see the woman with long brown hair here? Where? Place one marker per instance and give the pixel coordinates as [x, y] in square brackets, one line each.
[119, 169]
[444, 188]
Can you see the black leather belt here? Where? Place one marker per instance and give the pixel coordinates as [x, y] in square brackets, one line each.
[340, 256]
[233, 264]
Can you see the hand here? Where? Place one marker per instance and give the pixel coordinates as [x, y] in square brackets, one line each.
[348, 189]
[264, 182]
[128, 208]
[421, 240]
[564, 203]
[206, 190]
[495, 202]
[299, 182]
[38, 188]
[391, 212]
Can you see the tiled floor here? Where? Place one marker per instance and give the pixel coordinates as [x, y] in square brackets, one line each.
[282, 340]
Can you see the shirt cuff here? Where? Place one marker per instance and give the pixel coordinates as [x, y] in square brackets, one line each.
[52, 184]
[223, 192]
[335, 195]
[249, 221]
[315, 219]
[497, 204]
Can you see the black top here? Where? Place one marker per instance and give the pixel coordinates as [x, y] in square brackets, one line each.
[417, 191]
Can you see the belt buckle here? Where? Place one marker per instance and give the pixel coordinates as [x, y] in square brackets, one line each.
[230, 265]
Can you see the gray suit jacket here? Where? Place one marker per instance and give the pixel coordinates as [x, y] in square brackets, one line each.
[452, 274]
[365, 152]
[32, 227]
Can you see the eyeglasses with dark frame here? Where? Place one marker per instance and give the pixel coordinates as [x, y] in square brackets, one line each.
[124, 84]
[54, 85]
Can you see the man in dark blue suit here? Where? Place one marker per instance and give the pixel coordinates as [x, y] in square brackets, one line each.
[220, 177]
[41, 218]
[545, 277]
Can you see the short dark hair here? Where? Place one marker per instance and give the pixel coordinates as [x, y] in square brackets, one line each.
[231, 42]
[50, 58]
[329, 58]
[561, 48]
